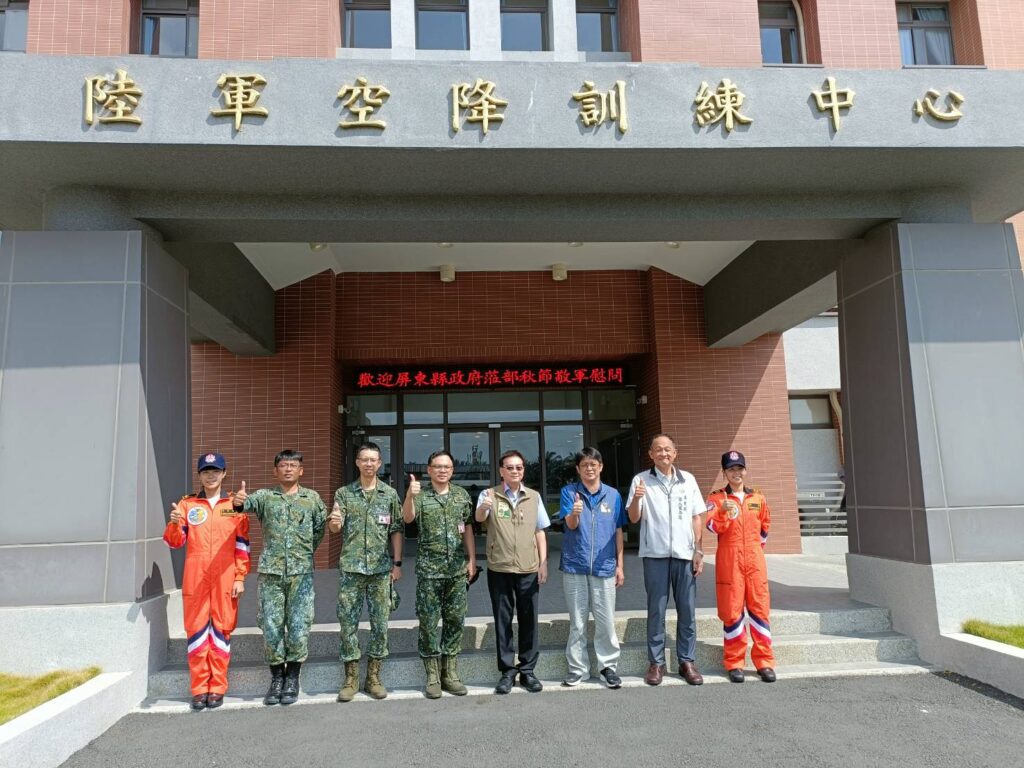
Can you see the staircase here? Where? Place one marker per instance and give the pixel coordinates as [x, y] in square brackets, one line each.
[846, 641]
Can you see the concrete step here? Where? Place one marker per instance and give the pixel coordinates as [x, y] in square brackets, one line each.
[247, 642]
[323, 673]
[172, 704]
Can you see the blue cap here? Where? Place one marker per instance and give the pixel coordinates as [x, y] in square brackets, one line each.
[733, 459]
[211, 461]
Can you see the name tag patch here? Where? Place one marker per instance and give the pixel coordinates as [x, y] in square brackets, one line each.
[462, 527]
[384, 519]
[504, 511]
[605, 508]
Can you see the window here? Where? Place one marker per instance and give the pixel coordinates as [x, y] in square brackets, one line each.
[925, 34]
[780, 33]
[170, 28]
[810, 413]
[597, 25]
[13, 25]
[367, 23]
[524, 25]
[442, 25]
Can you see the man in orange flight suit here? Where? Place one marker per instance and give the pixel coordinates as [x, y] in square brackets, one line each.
[216, 562]
[740, 517]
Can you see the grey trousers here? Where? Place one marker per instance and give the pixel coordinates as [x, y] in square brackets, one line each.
[661, 574]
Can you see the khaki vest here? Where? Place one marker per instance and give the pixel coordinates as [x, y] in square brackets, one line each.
[512, 532]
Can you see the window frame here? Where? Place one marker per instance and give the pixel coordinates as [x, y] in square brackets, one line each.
[612, 11]
[451, 6]
[918, 28]
[510, 7]
[348, 6]
[188, 12]
[16, 5]
[797, 26]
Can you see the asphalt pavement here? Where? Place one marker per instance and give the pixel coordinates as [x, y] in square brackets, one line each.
[926, 721]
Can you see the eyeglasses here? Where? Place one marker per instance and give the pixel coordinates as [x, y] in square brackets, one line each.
[367, 461]
[288, 465]
[518, 468]
[590, 465]
[441, 467]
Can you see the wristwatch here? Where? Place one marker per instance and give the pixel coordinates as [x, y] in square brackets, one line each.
[699, 552]
[398, 563]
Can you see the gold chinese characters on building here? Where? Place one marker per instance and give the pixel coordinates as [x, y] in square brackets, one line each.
[361, 100]
[240, 94]
[117, 97]
[596, 108]
[479, 102]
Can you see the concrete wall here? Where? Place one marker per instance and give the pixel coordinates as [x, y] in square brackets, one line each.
[932, 376]
[94, 415]
[812, 355]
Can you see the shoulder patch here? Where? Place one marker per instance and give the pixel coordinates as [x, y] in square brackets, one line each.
[710, 507]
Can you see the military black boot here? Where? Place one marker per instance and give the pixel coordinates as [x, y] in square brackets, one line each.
[276, 682]
[290, 691]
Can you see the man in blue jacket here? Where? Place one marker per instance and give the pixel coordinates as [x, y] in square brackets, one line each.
[592, 566]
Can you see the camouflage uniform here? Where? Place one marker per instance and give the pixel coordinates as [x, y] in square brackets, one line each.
[441, 569]
[371, 517]
[293, 527]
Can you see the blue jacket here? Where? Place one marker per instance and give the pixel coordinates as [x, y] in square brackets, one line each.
[590, 549]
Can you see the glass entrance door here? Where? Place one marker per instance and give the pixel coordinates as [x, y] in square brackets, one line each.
[617, 444]
[474, 469]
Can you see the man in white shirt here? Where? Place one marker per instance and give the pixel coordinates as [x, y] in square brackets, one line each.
[669, 507]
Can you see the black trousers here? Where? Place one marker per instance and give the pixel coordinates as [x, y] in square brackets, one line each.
[518, 592]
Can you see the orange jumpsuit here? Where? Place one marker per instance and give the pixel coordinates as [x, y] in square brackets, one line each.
[741, 576]
[217, 555]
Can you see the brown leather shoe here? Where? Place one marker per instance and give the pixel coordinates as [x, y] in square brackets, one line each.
[690, 674]
[654, 675]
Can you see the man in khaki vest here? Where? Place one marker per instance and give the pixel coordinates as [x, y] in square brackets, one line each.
[517, 555]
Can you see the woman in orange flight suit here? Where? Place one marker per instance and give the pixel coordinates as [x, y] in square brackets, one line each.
[740, 517]
[216, 562]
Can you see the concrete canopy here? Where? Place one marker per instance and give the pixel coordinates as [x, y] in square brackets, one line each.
[539, 176]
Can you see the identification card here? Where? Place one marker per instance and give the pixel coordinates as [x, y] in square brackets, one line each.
[605, 508]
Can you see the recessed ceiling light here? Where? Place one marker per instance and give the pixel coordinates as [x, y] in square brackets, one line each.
[317, 246]
[671, 243]
[444, 245]
[575, 243]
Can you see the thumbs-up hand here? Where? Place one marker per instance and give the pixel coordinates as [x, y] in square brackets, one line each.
[240, 496]
[577, 506]
[177, 516]
[485, 501]
[414, 486]
[641, 490]
[336, 519]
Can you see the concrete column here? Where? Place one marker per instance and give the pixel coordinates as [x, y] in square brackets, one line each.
[94, 415]
[563, 30]
[932, 364]
[403, 27]
[485, 29]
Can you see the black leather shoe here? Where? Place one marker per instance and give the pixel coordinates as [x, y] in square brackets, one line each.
[198, 702]
[214, 700]
[735, 675]
[505, 683]
[290, 689]
[530, 682]
[767, 674]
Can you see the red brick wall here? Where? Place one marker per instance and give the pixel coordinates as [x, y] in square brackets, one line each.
[968, 46]
[1002, 32]
[266, 29]
[490, 317]
[84, 27]
[711, 32]
[251, 408]
[858, 34]
[714, 400]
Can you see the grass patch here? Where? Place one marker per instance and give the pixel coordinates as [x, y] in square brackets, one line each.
[20, 694]
[1009, 634]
